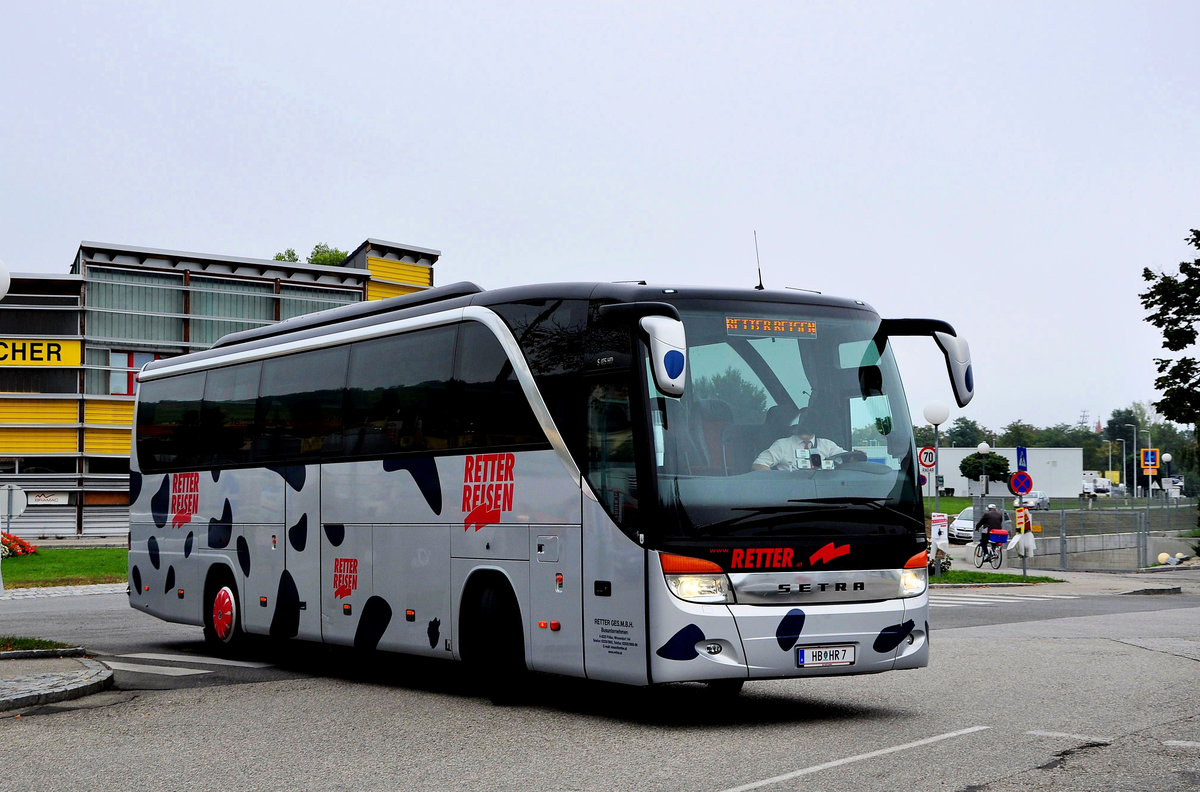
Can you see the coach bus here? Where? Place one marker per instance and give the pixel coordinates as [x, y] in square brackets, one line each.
[556, 478]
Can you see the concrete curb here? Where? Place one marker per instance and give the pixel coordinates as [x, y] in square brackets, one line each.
[38, 689]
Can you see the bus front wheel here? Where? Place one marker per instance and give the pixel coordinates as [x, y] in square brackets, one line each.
[497, 656]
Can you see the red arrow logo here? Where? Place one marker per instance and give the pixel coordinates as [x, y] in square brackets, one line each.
[828, 553]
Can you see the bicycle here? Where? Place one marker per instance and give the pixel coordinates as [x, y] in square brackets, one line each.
[996, 557]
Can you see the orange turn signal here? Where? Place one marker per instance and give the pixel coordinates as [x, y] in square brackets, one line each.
[919, 561]
[684, 565]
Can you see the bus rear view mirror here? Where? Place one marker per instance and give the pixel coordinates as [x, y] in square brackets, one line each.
[954, 349]
[958, 365]
[668, 352]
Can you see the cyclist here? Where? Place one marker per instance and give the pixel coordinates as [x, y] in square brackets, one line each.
[991, 520]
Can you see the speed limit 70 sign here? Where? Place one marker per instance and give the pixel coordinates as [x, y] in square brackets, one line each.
[928, 456]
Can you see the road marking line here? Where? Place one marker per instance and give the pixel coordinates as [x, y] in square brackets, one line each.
[138, 668]
[1183, 743]
[201, 659]
[852, 759]
[1083, 737]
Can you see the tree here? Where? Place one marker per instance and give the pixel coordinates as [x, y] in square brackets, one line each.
[965, 433]
[1173, 305]
[923, 435]
[328, 256]
[321, 254]
[974, 465]
[1018, 433]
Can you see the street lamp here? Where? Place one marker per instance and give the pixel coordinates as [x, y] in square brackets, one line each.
[1149, 444]
[983, 448]
[1121, 440]
[936, 413]
[1133, 426]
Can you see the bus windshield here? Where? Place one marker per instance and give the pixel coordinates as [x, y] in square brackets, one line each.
[793, 422]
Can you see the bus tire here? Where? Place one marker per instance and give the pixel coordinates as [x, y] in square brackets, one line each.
[497, 659]
[222, 613]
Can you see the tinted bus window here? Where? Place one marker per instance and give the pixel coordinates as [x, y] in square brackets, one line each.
[230, 395]
[494, 410]
[300, 406]
[168, 423]
[398, 398]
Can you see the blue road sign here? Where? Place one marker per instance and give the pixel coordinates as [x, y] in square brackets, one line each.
[1022, 458]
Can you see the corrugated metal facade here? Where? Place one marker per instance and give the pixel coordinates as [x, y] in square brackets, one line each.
[127, 305]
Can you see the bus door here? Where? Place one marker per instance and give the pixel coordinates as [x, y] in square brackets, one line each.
[302, 525]
[345, 536]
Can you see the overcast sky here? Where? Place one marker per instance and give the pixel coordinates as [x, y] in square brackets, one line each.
[1009, 167]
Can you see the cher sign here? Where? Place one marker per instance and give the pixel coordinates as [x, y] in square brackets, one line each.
[39, 352]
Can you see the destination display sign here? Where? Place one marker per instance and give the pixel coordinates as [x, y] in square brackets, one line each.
[757, 326]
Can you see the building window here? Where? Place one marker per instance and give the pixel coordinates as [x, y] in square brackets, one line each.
[124, 367]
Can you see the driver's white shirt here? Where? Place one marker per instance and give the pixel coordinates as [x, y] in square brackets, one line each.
[783, 451]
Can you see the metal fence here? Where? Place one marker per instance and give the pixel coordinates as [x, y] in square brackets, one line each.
[1110, 536]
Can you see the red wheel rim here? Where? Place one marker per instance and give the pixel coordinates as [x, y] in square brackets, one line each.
[222, 614]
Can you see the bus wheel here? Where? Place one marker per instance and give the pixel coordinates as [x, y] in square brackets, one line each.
[222, 620]
[499, 656]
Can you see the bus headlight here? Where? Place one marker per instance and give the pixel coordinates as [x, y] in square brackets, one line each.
[914, 578]
[696, 580]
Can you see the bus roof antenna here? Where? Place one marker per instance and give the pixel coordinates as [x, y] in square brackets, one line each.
[759, 287]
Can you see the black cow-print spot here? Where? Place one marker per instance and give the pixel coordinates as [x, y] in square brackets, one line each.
[425, 474]
[216, 475]
[891, 637]
[298, 534]
[135, 575]
[682, 645]
[376, 616]
[170, 584]
[187, 544]
[790, 627]
[243, 553]
[152, 547]
[220, 531]
[435, 632]
[285, 622]
[161, 502]
[135, 485]
[335, 533]
[294, 475]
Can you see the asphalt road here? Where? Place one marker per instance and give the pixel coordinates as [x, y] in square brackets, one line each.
[1096, 692]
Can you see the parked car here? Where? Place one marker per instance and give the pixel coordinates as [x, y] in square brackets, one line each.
[1036, 499]
[962, 530]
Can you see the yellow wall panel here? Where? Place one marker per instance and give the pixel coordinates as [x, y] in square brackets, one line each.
[39, 411]
[400, 271]
[39, 441]
[108, 412]
[106, 441]
[379, 291]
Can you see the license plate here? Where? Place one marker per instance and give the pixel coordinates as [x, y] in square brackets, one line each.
[821, 656]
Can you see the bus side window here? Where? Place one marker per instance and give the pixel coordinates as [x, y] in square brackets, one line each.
[493, 409]
[168, 424]
[300, 404]
[398, 393]
[611, 460]
[228, 413]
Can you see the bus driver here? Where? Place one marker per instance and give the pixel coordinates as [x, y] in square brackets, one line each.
[785, 452]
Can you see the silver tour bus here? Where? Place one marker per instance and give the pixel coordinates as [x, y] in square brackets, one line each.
[620, 482]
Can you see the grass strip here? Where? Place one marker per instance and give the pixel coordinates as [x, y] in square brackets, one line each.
[14, 643]
[58, 566]
[973, 576]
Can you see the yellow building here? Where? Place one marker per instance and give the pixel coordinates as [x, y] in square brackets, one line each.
[71, 345]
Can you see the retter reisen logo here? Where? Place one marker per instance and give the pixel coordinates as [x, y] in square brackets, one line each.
[488, 484]
[185, 497]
